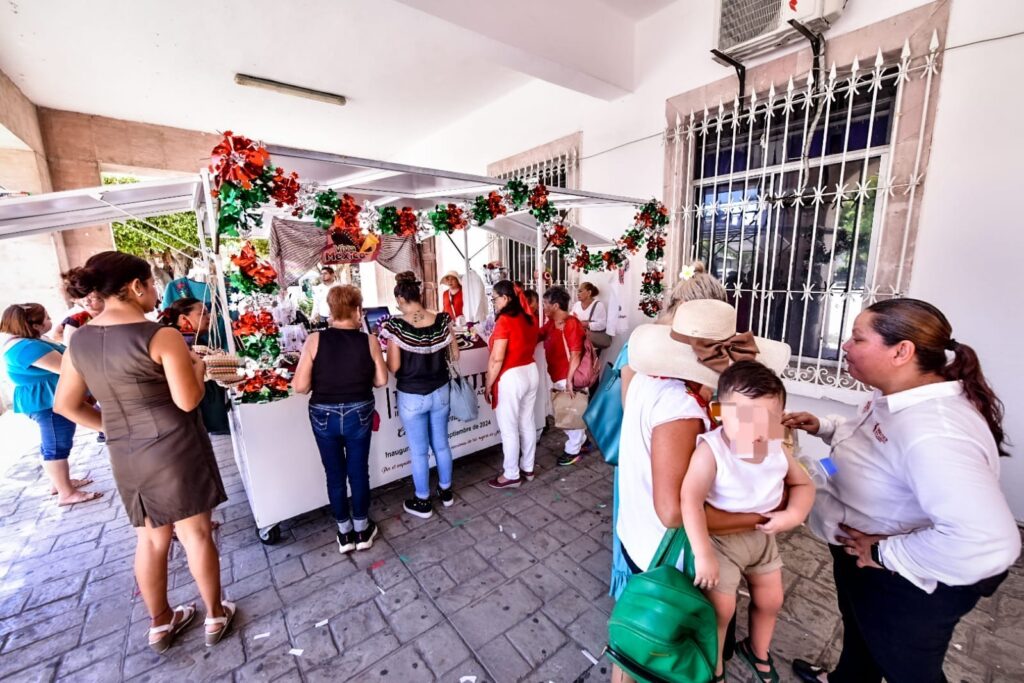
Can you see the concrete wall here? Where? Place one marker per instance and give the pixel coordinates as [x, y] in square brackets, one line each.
[969, 230]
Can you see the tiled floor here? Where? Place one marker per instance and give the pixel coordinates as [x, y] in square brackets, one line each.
[503, 586]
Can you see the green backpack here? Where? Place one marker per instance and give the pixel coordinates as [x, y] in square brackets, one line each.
[663, 629]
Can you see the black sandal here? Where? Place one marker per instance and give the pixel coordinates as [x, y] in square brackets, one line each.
[807, 672]
[744, 650]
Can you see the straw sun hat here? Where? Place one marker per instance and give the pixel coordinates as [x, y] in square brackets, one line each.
[701, 343]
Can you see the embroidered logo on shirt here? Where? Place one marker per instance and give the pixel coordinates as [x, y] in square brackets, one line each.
[877, 431]
[867, 407]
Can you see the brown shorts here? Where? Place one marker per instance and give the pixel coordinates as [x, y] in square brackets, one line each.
[751, 552]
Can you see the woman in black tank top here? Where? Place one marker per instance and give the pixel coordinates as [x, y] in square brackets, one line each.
[341, 365]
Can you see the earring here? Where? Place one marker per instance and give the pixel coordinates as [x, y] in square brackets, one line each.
[138, 294]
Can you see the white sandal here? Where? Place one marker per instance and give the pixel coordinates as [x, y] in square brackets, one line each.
[171, 628]
[213, 637]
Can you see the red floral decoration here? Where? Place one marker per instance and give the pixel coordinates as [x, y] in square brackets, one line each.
[284, 189]
[239, 160]
[407, 222]
[252, 268]
[456, 218]
[250, 323]
[496, 204]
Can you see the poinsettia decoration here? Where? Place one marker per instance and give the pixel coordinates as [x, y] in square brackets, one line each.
[244, 179]
[264, 386]
[254, 275]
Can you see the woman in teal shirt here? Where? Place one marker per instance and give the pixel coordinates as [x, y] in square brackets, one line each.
[33, 366]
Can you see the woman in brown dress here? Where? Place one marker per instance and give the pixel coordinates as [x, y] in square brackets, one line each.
[149, 385]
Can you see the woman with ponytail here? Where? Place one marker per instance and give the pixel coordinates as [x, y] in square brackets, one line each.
[918, 527]
[190, 317]
[149, 385]
[512, 381]
[32, 364]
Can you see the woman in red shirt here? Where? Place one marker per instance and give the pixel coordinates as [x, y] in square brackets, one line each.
[512, 381]
[451, 298]
[563, 337]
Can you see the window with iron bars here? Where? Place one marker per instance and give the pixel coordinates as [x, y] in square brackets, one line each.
[786, 205]
[521, 259]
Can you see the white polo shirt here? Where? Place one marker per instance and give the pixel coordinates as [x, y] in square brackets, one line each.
[650, 402]
[922, 467]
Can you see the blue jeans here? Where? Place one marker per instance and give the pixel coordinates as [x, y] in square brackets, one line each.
[58, 434]
[342, 432]
[425, 418]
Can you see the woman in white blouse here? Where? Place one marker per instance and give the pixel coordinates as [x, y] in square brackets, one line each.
[918, 527]
[593, 314]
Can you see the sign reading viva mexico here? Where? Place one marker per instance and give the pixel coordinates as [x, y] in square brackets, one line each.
[337, 254]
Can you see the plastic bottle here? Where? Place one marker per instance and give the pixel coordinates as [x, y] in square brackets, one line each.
[819, 470]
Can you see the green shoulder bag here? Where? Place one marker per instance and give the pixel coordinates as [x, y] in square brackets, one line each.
[663, 628]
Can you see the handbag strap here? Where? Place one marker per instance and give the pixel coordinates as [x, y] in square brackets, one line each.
[675, 544]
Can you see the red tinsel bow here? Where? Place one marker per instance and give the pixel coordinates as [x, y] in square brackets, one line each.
[237, 159]
[496, 204]
[285, 189]
[250, 323]
[539, 197]
[456, 219]
[406, 222]
[261, 272]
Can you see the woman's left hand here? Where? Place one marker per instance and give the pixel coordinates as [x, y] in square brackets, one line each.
[859, 545]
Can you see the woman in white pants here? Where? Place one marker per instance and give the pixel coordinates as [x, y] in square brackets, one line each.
[512, 381]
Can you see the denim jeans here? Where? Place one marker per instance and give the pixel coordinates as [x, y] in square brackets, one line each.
[425, 418]
[58, 434]
[342, 432]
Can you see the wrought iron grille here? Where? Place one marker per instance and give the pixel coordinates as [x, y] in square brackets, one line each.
[786, 202]
[521, 259]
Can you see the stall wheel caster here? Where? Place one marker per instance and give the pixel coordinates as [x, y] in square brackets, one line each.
[269, 535]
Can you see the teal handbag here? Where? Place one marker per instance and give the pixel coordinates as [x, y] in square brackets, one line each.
[663, 629]
[603, 416]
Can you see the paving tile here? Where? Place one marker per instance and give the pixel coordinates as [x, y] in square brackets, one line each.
[108, 649]
[503, 661]
[568, 664]
[288, 572]
[536, 638]
[317, 645]
[272, 624]
[31, 655]
[413, 619]
[321, 558]
[434, 580]
[465, 565]
[590, 630]
[354, 660]
[495, 613]
[404, 665]
[465, 592]
[399, 596]
[570, 572]
[441, 648]
[356, 625]
[565, 607]
[49, 591]
[512, 561]
[277, 667]
[334, 599]
[466, 668]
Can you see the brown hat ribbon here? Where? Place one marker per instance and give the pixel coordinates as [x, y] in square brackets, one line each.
[718, 354]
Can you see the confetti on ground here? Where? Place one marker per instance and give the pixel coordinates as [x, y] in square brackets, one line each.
[459, 522]
[557, 497]
[295, 651]
[743, 593]
[467, 679]
[321, 623]
[602, 505]
[589, 656]
[380, 589]
[509, 494]
[260, 636]
[958, 646]
[513, 536]
[562, 479]
[501, 528]
[377, 565]
[404, 559]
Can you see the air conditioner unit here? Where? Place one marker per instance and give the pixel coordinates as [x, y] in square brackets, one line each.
[748, 28]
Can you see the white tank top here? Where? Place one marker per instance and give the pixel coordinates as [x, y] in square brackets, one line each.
[742, 486]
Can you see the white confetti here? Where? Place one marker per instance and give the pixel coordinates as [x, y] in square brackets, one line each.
[743, 593]
[958, 646]
[501, 528]
[589, 656]
[321, 623]
[513, 536]
[259, 636]
[295, 651]
[380, 589]
[467, 679]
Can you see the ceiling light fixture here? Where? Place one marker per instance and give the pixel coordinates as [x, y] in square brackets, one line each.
[288, 89]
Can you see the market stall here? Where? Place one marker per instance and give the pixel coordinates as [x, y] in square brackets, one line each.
[355, 203]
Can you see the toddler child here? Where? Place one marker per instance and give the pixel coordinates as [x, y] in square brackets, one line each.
[742, 467]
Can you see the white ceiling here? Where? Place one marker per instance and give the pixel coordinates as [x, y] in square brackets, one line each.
[406, 70]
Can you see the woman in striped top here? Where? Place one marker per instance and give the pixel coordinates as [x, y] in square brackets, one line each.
[420, 342]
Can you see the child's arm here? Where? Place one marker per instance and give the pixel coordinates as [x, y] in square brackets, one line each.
[801, 499]
[696, 485]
